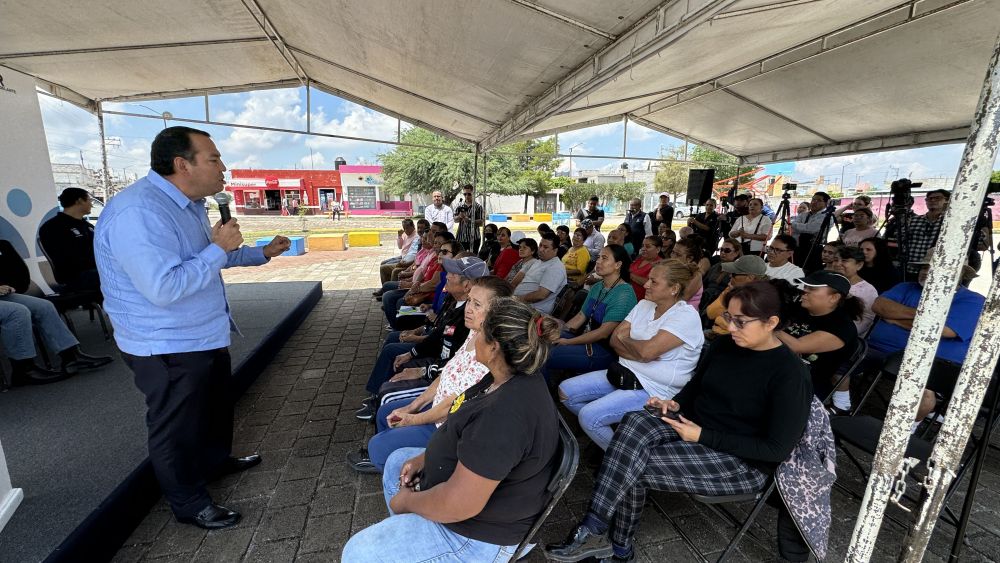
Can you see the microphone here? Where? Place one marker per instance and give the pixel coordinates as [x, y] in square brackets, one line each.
[223, 199]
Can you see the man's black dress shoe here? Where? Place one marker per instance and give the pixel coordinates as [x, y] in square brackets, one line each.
[37, 375]
[581, 544]
[83, 361]
[212, 517]
[237, 464]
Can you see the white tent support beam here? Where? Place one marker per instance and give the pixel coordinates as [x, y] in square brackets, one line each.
[974, 378]
[935, 301]
[195, 92]
[882, 22]
[780, 116]
[563, 18]
[117, 48]
[63, 93]
[667, 131]
[861, 146]
[393, 86]
[293, 131]
[557, 130]
[258, 14]
[659, 29]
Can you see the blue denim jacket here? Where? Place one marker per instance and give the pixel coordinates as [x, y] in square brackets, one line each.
[160, 272]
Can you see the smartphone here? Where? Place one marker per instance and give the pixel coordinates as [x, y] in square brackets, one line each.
[655, 411]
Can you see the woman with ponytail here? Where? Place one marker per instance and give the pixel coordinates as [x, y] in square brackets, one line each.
[481, 482]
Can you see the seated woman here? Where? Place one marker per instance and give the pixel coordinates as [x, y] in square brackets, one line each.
[491, 246]
[608, 303]
[821, 327]
[508, 254]
[649, 256]
[716, 280]
[622, 235]
[878, 269]
[669, 239]
[565, 240]
[422, 284]
[689, 251]
[741, 415]
[850, 260]
[747, 269]
[405, 275]
[527, 251]
[410, 422]
[577, 258]
[476, 490]
[658, 346]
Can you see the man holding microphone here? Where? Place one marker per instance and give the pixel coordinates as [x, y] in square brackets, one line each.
[160, 263]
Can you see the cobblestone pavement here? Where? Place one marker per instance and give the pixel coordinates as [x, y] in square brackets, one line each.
[303, 502]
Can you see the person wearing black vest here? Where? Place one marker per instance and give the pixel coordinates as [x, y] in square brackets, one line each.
[68, 242]
[640, 223]
[20, 314]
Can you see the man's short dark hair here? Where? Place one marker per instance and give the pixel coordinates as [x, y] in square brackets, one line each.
[594, 198]
[742, 197]
[423, 223]
[824, 195]
[789, 241]
[407, 223]
[551, 237]
[446, 235]
[440, 226]
[945, 193]
[169, 144]
[70, 196]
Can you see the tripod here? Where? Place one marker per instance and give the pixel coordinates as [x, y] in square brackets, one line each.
[897, 219]
[820, 240]
[784, 214]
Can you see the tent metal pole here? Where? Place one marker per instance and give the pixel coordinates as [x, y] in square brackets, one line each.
[207, 116]
[475, 167]
[308, 106]
[974, 378]
[889, 465]
[105, 177]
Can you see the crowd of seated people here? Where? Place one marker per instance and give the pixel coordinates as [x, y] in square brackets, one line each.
[781, 324]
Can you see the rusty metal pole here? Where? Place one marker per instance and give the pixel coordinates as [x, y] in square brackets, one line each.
[973, 177]
[949, 256]
[106, 175]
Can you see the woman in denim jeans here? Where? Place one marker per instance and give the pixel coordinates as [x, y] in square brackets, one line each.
[476, 490]
[659, 342]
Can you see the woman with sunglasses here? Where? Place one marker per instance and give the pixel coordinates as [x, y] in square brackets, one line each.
[724, 433]
[716, 279]
[527, 251]
[669, 238]
[508, 254]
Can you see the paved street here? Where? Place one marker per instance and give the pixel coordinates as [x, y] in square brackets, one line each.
[304, 502]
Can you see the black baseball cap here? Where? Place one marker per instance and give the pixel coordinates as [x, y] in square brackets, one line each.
[826, 278]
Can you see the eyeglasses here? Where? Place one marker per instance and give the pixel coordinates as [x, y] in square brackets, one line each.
[444, 252]
[726, 251]
[738, 323]
[467, 194]
[773, 249]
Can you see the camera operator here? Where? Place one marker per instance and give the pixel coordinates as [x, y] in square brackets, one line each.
[806, 228]
[922, 231]
[470, 218]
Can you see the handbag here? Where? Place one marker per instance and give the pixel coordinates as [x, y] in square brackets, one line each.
[622, 378]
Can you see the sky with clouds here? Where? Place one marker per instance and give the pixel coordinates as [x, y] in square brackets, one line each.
[72, 133]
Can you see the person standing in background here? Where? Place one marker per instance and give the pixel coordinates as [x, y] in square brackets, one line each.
[470, 217]
[438, 212]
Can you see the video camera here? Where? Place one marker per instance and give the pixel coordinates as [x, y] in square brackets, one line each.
[901, 191]
[789, 187]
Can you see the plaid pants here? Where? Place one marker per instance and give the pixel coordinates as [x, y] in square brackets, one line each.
[646, 453]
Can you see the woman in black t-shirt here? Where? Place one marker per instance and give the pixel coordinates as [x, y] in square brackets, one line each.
[878, 269]
[822, 329]
[481, 482]
[724, 433]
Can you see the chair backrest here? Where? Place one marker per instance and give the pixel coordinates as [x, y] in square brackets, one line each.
[853, 364]
[569, 459]
[564, 302]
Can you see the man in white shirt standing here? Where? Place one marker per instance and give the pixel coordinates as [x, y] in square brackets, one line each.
[779, 259]
[546, 279]
[595, 240]
[438, 212]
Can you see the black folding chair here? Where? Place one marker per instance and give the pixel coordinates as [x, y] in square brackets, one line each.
[66, 300]
[716, 504]
[853, 365]
[569, 459]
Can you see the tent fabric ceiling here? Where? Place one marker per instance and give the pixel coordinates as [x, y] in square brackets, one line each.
[761, 79]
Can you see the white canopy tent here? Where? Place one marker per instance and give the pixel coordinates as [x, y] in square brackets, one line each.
[765, 80]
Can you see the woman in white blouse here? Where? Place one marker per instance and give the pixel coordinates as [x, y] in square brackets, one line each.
[754, 229]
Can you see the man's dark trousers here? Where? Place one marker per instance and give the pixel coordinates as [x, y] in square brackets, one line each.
[189, 419]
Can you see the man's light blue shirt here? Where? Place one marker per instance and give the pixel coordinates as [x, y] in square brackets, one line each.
[161, 273]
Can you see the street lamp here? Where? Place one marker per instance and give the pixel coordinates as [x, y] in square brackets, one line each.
[842, 169]
[163, 115]
[571, 158]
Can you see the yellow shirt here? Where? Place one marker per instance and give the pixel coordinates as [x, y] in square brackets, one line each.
[577, 258]
[714, 312]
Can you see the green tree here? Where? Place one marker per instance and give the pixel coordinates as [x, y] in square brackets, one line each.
[672, 177]
[523, 168]
[725, 165]
[995, 177]
[575, 194]
[407, 170]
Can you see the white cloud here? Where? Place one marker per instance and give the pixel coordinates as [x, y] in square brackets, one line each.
[875, 168]
[598, 131]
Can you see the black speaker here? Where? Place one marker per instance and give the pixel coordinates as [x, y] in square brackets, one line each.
[700, 185]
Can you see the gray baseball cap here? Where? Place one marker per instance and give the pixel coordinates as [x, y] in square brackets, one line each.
[469, 267]
[752, 265]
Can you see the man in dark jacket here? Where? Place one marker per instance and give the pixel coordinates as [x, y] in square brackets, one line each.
[68, 241]
[21, 314]
[408, 361]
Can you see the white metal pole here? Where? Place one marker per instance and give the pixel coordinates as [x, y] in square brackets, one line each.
[106, 177]
[973, 177]
[942, 279]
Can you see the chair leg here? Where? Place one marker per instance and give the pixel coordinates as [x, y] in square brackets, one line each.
[868, 392]
[104, 320]
[746, 524]
[69, 323]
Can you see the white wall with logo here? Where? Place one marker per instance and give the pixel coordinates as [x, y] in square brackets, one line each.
[27, 189]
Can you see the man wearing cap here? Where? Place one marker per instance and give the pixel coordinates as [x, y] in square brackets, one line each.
[743, 270]
[897, 308]
[595, 240]
[591, 212]
[439, 346]
[546, 279]
[779, 259]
